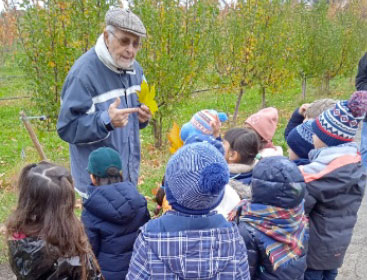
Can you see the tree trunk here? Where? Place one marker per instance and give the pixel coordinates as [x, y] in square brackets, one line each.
[238, 102]
[304, 86]
[263, 96]
[157, 131]
[325, 84]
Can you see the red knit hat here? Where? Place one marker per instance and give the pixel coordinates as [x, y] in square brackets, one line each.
[264, 122]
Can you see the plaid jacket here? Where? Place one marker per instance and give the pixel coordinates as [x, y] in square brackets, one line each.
[212, 254]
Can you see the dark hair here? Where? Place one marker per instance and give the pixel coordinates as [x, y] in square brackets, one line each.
[244, 141]
[159, 197]
[114, 176]
[46, 210]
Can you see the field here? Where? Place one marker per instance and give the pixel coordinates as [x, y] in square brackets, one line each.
[17, 149]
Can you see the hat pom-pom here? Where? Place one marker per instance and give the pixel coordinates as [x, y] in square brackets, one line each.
[213, 178]
[357, 103]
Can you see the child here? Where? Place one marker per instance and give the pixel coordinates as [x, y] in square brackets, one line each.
[191, 242]
[335, 186]
[112, 213]
[204, 122]
[264, 123]
[300, 143]
[241, 146]
[45, 238]
[308, 112]
[273, 224]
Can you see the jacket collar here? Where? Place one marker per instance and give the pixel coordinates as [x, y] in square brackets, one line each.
[106, 58]
[235, 168]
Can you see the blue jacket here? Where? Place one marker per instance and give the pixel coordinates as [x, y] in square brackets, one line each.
[177, 246]
[89, 89]
[112, 216]
[336, 183]
[269, 188]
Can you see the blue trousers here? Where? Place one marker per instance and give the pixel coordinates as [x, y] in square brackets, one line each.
[311, 274]
[364, 144]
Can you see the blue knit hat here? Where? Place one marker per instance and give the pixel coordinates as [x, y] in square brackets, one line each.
[200, 123]
[195, 179]
[339, 125]
[300, 139]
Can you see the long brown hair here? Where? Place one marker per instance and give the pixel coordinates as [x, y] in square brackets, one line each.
[46, 210]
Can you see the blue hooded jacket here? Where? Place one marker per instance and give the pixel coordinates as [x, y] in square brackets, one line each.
[277, 182]
[112, 216]
[336, 182]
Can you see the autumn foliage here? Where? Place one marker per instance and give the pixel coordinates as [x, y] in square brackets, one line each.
[267, 45]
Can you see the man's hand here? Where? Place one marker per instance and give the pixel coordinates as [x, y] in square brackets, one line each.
[144, 114]
[119, 117]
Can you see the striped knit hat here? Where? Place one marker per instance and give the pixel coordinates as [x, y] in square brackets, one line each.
[195, 179]
[200, 123]
[339, 125]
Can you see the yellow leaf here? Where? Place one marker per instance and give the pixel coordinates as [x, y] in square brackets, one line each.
[146, 96]
[174, 138]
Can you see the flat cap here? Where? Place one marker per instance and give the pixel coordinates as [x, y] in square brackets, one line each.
[125, 20]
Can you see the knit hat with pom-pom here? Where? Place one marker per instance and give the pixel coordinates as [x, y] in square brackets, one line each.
[200, 123]
[339, 124]
[195, 179]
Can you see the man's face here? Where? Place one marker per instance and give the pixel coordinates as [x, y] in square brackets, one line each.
[123, 47]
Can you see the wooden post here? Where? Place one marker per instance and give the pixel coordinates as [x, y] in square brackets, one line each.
[33, 135]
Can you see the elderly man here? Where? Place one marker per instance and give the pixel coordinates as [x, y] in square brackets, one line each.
[99, 105]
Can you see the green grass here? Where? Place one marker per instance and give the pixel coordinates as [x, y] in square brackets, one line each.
[17, 148]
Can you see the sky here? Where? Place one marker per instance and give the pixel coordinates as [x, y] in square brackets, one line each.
[1, 5]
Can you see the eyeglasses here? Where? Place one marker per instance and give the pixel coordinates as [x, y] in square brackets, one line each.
[124, 42]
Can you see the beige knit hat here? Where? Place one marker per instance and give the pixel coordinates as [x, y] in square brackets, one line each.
[125, 20]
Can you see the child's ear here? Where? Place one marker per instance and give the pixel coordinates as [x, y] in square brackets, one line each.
[93, 179]
[234, 156]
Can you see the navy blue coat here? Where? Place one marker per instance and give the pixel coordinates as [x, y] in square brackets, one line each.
[276, 181]
[332, 202]
[112, 216]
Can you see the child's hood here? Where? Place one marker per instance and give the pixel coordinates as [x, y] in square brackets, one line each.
[196, 254]
[116, 203]
[320, 158]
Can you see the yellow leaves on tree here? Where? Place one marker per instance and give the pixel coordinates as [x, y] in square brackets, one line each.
[146, 96]
[174, 138]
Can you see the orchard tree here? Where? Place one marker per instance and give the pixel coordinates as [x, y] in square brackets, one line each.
[175, 53]
[254, 50]
[53, 34]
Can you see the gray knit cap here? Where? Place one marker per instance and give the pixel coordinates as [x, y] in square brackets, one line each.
[125, 20]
